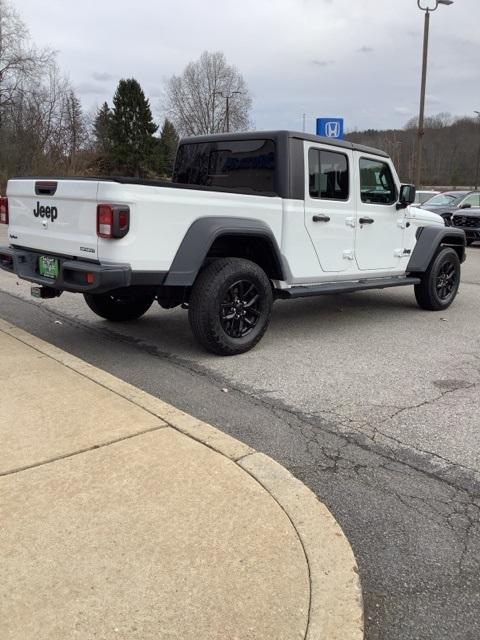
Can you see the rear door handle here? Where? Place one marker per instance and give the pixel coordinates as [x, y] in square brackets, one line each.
[366, 221]
[321, 218]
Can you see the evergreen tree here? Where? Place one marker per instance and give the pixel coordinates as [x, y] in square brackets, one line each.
[167, 148]
[131, 130]
[101, 128]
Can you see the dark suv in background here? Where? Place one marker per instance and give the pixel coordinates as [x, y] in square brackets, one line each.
[451, 202]
[469, 221]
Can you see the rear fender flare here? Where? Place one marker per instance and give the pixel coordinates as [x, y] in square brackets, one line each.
[202, 234]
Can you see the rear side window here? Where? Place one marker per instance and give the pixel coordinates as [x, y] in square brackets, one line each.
[327, 175]
[239, 165]
[376, 182]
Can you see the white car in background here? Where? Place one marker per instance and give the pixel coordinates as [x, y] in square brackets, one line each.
[423, 196]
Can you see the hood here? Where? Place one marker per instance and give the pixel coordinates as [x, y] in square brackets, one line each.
[439, 208]
[423, 217]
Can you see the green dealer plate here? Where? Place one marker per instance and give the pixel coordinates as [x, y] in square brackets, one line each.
[48, 266]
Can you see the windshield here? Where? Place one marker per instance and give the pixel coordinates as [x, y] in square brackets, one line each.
[444, 198]
[423, 196]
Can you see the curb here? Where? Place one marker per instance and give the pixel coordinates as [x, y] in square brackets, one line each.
[336, 606]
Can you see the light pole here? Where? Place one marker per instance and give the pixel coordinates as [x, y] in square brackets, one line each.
[228, 97]
[421, 118]
[478, 155]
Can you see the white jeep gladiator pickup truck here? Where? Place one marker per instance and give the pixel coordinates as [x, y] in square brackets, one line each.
[248, 218]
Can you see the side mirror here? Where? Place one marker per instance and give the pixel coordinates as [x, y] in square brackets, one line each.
[465, 206]
[407, 196]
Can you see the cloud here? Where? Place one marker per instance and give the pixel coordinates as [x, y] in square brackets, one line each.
[89, 88]
[307, 38]
[403, 110]
[155, 91]
[322, 63]
[102, 76]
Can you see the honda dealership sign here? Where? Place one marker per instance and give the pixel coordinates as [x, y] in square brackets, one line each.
[330, 127]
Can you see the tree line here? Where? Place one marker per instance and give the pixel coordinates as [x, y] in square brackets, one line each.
[451, 149]
[44, 130]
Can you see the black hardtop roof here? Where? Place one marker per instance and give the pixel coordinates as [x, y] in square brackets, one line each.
[255, 135]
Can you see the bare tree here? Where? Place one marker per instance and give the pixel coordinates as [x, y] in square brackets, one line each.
[19, 59]
[210, 96]
[43, 129]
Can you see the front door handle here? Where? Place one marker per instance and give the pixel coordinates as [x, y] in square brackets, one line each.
[366, 221]
[322, 218]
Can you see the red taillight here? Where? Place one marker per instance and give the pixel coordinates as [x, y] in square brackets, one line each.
[3, 210]
[113, 221]
[104, 221]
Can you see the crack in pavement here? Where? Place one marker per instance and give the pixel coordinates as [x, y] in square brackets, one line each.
[430, 401]
[72, 454]
[460, 513]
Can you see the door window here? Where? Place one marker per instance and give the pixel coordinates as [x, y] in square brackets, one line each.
[376, 182]
[327, 175]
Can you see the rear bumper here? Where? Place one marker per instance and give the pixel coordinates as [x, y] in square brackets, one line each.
[72, 274]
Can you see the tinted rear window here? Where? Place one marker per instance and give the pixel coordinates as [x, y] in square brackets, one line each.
[241, 165]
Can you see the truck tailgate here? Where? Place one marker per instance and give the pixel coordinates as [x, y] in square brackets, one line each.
[54, 216]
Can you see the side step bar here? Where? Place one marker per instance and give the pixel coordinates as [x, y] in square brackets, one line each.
[345, 287]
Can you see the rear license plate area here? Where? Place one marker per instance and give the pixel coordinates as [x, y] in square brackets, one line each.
[48, 267]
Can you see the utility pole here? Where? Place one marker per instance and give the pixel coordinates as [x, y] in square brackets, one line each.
[227, 113]
[304, 122]
[228, 97]
[421, 118]
[478, 155]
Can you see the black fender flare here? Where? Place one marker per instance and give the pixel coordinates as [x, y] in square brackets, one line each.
[429, 239]
[200, 236]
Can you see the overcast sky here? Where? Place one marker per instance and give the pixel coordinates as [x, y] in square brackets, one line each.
[359, 59]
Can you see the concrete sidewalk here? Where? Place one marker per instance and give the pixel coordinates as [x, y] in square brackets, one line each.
[122, 517]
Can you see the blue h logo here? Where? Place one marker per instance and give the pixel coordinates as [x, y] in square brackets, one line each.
[330, 128]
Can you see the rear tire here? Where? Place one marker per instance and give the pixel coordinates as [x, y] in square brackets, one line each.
[119, 307]
[440, 282]
[230, 306]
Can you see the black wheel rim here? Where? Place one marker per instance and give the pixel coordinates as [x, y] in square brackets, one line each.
[446, 280]
[240, 309]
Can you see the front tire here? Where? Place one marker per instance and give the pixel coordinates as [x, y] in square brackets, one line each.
[230, 306]
[440, 282]
[119, 307]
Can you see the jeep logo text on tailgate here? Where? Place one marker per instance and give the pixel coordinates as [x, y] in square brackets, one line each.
[46, 212]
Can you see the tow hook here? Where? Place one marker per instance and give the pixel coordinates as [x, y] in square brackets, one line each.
[45, 292]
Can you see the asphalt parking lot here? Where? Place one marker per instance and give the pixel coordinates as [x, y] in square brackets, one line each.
[370, 401]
